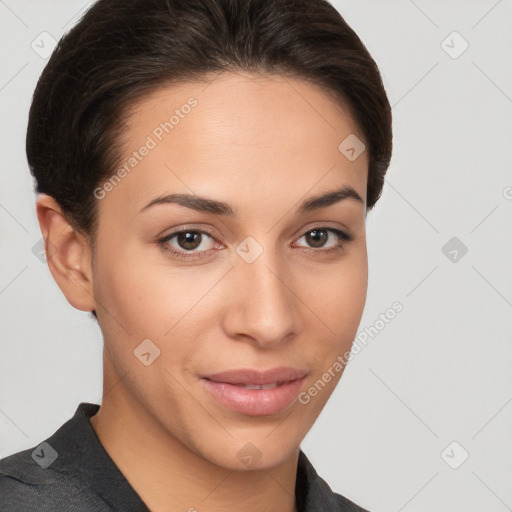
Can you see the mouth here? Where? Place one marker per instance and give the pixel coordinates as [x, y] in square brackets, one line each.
[253, 392]
[263, 386]
[253, 377]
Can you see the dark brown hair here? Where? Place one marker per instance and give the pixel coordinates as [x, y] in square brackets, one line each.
[122, 50]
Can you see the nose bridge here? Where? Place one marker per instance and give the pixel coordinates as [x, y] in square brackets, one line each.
[264, 306]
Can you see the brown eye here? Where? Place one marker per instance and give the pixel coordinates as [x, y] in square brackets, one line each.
[317, 237]
[186, 242]
[189, 239]
[326, 239]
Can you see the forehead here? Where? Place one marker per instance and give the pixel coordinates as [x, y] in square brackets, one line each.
[251, 134]
[239, 105]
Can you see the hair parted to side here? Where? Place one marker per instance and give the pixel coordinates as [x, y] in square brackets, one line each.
[122, 50]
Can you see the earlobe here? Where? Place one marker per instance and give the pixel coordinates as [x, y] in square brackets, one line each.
[68, 254]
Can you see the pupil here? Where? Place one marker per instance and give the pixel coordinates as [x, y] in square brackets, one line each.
[318, 237]
[189, 239]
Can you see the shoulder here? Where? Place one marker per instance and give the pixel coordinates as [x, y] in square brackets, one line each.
[315, 494]
[52, 476]
[26, 486]
[345, 505]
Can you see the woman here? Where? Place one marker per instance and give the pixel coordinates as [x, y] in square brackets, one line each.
[204, 170]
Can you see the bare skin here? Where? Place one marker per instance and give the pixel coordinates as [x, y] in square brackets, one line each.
[263, 145]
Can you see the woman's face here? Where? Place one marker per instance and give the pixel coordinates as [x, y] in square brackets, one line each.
[187, 289]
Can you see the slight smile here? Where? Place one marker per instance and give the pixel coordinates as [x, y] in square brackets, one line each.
[254, 392]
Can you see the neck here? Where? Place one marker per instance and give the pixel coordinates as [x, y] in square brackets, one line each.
[168, 476]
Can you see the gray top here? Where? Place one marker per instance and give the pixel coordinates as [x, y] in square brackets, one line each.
[71, 472]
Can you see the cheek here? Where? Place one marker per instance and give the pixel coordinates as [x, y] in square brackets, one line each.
[144, 297]
[124, 290]
[344, 292]
[340, 300]
[348, 299]
[144, 301]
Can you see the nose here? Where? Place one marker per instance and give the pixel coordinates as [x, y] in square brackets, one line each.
[263, 306]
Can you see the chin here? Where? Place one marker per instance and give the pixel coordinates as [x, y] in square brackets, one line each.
[246, 455]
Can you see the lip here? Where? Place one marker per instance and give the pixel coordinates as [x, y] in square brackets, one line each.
[227, 388]
[257, 377]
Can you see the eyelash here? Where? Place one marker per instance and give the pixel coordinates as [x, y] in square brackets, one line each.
[343, 237]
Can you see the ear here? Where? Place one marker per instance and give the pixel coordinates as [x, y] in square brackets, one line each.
[67, 253]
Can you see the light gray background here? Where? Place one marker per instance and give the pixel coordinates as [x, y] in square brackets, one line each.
[437, 373]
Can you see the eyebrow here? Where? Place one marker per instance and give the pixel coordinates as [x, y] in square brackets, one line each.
[205, 204]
